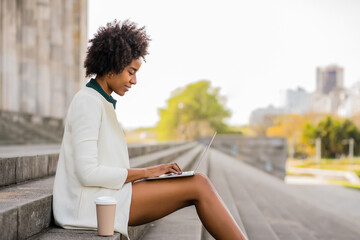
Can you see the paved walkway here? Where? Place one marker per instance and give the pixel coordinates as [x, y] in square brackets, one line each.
[302, 180]
[339, 200]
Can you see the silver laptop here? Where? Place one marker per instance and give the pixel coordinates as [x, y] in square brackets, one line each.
[187, 173]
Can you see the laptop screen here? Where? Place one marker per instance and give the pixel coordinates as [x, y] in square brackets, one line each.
[203, 154]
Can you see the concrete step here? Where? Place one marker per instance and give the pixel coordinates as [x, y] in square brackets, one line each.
[20, 169]
[158, 157]
[137, 232]
[134, 149]
[286, 210]
[139, 149]
[12, 134]
[254, 221]
[24, 163]
[309, 222]
[186, 160]
[55, 233]
[184, 223]
[25, 209]
[217, 176]
[283, 226]
[27, 132]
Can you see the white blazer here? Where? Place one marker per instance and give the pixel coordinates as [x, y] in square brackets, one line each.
[93, 162]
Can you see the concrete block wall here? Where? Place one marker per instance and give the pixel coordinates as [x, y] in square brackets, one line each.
[268, 154]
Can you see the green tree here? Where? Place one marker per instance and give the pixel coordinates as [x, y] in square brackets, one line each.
[192, 111]
[332, 132]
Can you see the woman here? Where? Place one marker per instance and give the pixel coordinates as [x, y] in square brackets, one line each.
[94, 160]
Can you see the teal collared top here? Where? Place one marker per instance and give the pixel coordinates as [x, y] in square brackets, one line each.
[95, 85]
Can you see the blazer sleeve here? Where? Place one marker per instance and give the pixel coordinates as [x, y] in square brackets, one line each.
[85, 124]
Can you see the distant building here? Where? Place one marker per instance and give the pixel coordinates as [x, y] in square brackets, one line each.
[261, 115]
[330, 97]
[336, 102]
[320, 103]
[329, 78]
[353, 102]
[297, 101]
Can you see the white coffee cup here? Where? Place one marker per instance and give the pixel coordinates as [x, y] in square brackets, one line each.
[105, 212]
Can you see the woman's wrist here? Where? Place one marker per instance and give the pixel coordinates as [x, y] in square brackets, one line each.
[146, 173]
[136, 174]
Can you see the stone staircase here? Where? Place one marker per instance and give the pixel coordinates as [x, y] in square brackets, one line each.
[25, 128]
[271, 209]
[27, 181]
[263, 206]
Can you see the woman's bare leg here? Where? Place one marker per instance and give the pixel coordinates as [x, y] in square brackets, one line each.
[152, 200]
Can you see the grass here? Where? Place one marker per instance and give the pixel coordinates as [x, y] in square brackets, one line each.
[343, 164]
[328, 164]
[345, 184]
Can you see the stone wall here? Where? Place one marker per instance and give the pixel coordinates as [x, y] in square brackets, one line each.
[42, 49]
[268, 154]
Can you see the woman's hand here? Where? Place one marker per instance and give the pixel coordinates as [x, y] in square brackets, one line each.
[158, 170]
[155, 171]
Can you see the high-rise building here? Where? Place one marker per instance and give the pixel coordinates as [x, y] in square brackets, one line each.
[329, 78]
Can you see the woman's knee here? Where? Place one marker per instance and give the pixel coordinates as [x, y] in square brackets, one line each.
[201, 178]
[202, 183]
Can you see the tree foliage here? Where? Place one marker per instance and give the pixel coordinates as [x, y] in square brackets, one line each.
[332, 132]
[291, 127]
[192, 111]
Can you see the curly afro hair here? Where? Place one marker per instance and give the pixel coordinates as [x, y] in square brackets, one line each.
[114, 47]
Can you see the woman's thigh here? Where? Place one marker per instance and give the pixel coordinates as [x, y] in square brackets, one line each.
[152, 200]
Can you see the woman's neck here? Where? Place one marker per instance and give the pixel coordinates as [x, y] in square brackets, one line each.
[103, 84]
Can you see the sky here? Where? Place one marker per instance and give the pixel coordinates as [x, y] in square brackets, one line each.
[252, 50]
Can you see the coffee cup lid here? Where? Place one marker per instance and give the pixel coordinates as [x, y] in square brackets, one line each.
[105, 200]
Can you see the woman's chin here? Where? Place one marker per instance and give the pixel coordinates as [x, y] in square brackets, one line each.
[121, 93]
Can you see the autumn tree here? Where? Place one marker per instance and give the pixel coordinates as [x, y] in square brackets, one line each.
[195, 110]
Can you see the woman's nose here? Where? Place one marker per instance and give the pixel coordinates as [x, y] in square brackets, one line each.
[133, 80]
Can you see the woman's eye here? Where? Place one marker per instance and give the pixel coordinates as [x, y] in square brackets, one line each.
[131, 73]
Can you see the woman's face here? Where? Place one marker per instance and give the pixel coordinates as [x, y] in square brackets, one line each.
[122, 82]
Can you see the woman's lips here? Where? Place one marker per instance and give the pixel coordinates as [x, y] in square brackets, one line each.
[127, 88]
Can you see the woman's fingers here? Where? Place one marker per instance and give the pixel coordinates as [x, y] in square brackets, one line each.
[173, 167]
[177, 168]
[164, 168]
[171, 170]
